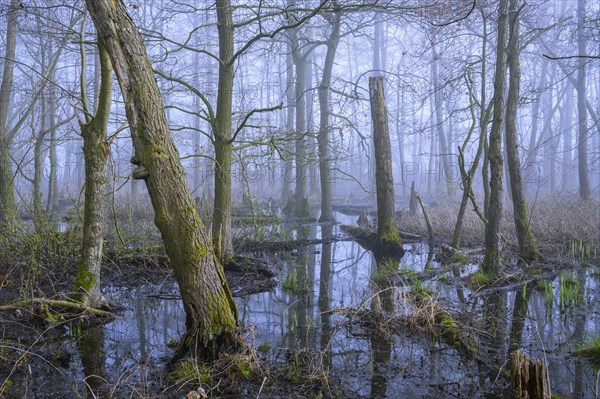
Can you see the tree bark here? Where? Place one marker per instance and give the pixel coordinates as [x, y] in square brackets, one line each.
[566, 122]
[52, 200]
[388, 239]
[8, 209]
[491, 262]
[211, 313]
[221, 227]
[439, 124]
[87, 286]
[528, 251]
[289, 126]
[582, 156]
[530, 378]
[300, 63]
[325, 172]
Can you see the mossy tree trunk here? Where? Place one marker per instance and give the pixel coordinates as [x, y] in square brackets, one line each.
[492, 261]
[211, 313]
[387, 229]
[7, 192]
[221, 227]
[95, 152]
[528, 251]
[323, 138]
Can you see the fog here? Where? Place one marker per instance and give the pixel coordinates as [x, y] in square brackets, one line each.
[318, 198]
[428, 53]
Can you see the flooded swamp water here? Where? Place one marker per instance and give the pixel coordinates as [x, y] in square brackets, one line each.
[332, 311]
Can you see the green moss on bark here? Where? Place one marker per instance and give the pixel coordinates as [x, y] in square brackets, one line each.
[84, 279]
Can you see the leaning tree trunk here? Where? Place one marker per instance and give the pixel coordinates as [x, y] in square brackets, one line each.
[95, 152]
[221, 227]
[491, 262]
[323, 139]
[388, 240]
[528, 251]
[7, 192]
[211, 313]
[582, 158]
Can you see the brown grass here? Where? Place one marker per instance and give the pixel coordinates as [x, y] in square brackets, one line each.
[555, 221]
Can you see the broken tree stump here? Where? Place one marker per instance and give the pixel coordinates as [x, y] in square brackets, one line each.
[529, 377]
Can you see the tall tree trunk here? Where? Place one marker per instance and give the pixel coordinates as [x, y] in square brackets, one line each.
[95, 152]
[467, 176]
[582, 156]
[492, 261]
[313, 167]
[300, 149]
[532, 150]
[8, 209]
[221, 227]
[439, 124]
[566, 121]
[197, 162]
[211, 313]
[38, 168]
[39, 215]
[325, 172]
[484, 115]
[528, 251]
[388, 240]
[52, 200]
[289, 126]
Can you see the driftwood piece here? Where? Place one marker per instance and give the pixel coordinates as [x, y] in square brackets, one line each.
[529, 377]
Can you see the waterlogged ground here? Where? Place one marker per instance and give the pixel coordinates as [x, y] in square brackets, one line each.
[320, 315]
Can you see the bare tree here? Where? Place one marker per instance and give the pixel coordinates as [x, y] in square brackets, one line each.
[492, 264]
[388, 240]
[7, 195]
[86, 288]
[528, 251]
[324, 125]
[211, 313]
[582, 156]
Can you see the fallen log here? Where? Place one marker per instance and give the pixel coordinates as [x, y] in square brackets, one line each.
[57, 303]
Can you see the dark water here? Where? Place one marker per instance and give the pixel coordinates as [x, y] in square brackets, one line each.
[333, 282]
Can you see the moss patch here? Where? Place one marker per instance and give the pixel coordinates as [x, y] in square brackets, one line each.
[84, 279]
